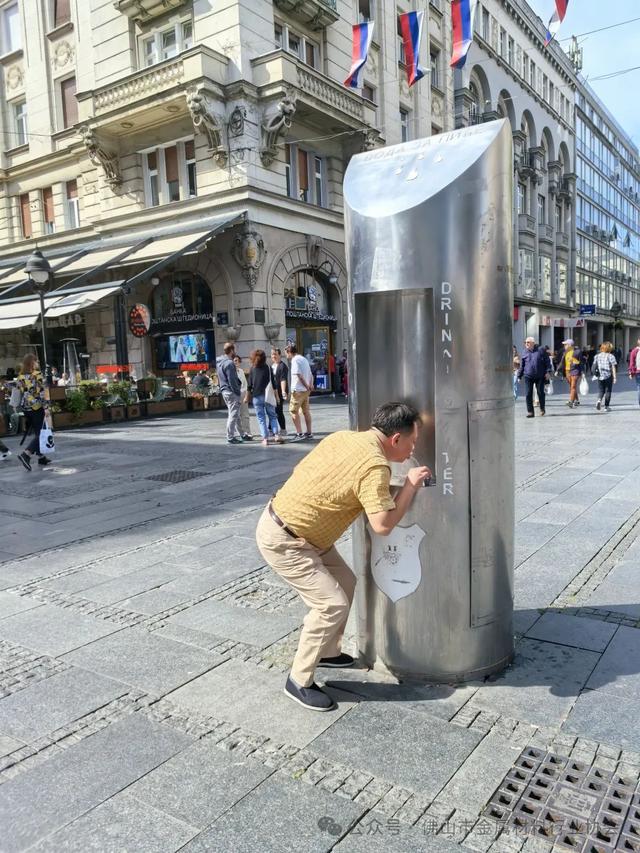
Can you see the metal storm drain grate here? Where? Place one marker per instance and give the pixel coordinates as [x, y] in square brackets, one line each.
[576, 806]
[178, 476]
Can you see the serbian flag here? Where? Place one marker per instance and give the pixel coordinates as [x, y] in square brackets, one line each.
[411, 28]
[462, 14]
[362, 35]
[556, 19]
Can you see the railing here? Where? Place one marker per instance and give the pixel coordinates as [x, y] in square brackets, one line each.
[526, 223]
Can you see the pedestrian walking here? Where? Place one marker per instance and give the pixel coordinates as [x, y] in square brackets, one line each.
[570, 366]
[281, 377]
[535, 366]
[262, 386]
[634, 372]
[30, 383]
[604, 370]
[346, 474]
[301, 385]
[243, 418]
[516, 370]
[231, 392]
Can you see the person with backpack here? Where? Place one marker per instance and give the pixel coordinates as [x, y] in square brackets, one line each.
[31, 385]
[535, 365]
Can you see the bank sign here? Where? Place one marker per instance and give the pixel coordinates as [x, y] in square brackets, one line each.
[181, 322]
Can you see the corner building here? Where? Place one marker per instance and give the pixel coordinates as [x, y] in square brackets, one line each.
[189, 156]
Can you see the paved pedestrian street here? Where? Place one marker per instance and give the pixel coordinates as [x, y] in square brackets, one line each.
[144, 647]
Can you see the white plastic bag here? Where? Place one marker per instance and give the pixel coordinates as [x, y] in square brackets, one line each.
[548, 388]
[583, 388]
[47, 441]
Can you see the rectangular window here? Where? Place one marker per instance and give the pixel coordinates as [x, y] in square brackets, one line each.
[525, 66]
[558, 219]
[61, 12]
[25, 216]
[551, 95]
[318, 175]
[170, 173]
[561, 275]
[294, 44]
[48, 215]
[21, 136]
[401, 57]
[69, 102]
[287, 171]
[166, 43]
[404, 125]
[11, 33]
[542, 206]
[310, 54]
[544, 276]
[303, 176]
[369, 93]
[522, 198]
[525, 271]
[278, 35]
[73, 207]
[503, 42]
[435, 68]
[510, 51]
[364, 10]
[532, 74]
[486, 30]
[545, 87]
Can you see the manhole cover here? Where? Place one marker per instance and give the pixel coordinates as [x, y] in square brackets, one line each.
[178, 476]
[576, 805]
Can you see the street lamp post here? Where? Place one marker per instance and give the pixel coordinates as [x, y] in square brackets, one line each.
[39, 271]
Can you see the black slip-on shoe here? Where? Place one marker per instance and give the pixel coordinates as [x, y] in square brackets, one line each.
[338, 661]
[25, 460]
[44, 460]
[311, 697]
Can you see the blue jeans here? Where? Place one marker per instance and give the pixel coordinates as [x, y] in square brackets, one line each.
[266, 415]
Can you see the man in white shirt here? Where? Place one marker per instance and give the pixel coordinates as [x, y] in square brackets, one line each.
[301, 385]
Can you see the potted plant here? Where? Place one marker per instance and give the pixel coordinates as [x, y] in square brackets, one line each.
[76, 404]
[94, 412]
[61, 419]
[91, 388]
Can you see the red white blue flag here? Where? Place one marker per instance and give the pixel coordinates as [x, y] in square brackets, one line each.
[462, 15]
[362, 35]
[411, 29]
[556, 19]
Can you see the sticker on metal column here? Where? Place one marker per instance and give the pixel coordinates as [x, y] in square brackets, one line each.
[395, 561]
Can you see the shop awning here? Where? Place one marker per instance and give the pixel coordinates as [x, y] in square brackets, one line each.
[25, 312]
[11, 279]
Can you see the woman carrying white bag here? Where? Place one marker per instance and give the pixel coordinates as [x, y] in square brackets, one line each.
[34, 403]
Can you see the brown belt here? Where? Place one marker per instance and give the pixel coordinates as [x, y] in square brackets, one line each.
[274, 515]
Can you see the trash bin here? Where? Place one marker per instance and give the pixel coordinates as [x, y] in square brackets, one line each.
[429, 235]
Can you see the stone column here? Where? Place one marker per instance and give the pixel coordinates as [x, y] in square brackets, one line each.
[625, 345]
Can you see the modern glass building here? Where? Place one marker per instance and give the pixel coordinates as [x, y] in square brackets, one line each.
[607, 223]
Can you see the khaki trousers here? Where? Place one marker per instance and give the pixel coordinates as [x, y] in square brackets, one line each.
[323, 581]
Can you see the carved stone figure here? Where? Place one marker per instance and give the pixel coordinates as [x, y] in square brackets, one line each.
[205, 121]
[249, 253]
[272, 127]
[100, 157]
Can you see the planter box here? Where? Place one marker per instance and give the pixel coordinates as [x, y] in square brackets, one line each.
[115, 413]
[56, 393]
[134, 411]
[215, 401]
[92, 392]
[63, 420]
[196, 404]
[167, 407]
[92, 416]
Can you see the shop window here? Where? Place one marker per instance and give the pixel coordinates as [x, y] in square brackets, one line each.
[25, 216]
[68, 102]
[166, 42]
[305, 175]
[20, 125]
[183, 294]
[170, 173]
[11, 34]
[73, 205]
[48, 215]
[304, 48]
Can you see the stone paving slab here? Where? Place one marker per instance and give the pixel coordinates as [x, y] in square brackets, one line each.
[121, 824]
[201, 581]
[607, 718]
[10, 604]
[619, 591]
[244, 625]
[8, 745]
[541, 685]
[49, 796]
[279, 816]
[155, 601]
[75, 582]
[144, 660]
[618, 670]
[50, 704]
[253, 698]
[54, 631]
[592, 634]
[117, 589]
[200, 784]
[380, 738]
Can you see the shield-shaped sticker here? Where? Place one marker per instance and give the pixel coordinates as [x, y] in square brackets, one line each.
[395, 561]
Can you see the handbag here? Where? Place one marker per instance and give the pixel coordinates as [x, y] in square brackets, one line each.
[270, 396]
[47, 441]
[548, 388]
[583, 388]
[15, 400]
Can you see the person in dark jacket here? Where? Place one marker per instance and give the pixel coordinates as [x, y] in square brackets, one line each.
[231, 391]
[534, 366]
[262, 387]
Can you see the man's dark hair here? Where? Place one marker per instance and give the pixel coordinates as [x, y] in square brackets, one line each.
[395, 417]
[292, 348]
[276, 350]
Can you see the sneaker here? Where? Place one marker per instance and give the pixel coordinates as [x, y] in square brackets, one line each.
[235, 441]
[338, 661]
[576, 402]
[570, 404]
[308, 436]
[607, 408]
[531, 416]
[299, 436]
[247, 437]
[311, 697]
[542, 414]
[44, 460]
[25, 460]
[5, 454]
[598, 405]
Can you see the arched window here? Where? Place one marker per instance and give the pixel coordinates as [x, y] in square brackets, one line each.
[304, 292]
[182, 293]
